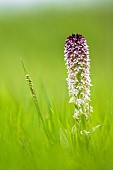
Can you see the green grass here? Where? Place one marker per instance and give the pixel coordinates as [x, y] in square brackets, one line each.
[38, 38]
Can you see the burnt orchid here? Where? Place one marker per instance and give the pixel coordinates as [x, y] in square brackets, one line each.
[79, 82]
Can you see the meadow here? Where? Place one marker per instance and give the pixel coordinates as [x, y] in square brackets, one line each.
[37, 38]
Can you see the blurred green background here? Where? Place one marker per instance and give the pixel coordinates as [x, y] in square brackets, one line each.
[37, 37]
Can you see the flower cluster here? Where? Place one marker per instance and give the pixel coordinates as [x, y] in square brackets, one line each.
[79, 82]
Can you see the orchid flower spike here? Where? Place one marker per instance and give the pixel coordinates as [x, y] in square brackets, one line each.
[79, 82]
